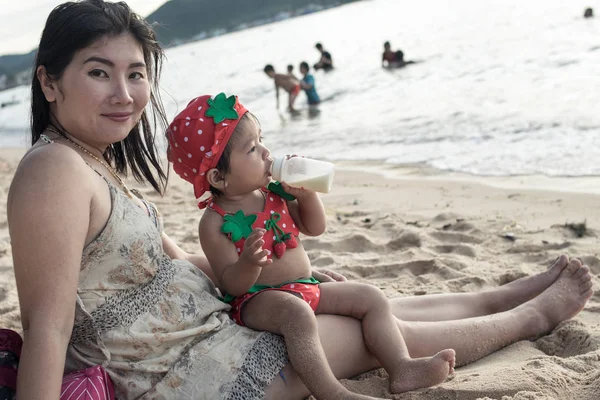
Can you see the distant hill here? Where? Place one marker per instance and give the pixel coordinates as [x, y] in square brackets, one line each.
[16, 62]
[179, 21]
[12, 64]
[183, 20]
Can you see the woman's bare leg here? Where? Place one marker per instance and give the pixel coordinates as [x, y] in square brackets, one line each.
[472, 338]
[452, 306]
[477, 337]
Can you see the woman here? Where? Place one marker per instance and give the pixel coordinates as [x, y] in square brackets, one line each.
[100, 283]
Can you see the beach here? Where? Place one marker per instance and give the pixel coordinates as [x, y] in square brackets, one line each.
[413, 231]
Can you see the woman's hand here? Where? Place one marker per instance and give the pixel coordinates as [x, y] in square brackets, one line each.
[326, 275]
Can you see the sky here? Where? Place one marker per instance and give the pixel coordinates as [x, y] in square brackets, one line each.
[22, 21]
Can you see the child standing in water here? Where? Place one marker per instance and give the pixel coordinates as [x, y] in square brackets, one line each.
[308, 84]
[288, 82]
[250, 236]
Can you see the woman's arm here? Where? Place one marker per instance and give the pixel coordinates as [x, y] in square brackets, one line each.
[199, 260]
[48, 217]
[177, 253]
[327, 275]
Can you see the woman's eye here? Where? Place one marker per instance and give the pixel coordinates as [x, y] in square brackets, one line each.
[136, 75]
[98, 73]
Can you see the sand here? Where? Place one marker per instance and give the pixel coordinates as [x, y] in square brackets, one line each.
[412, 231]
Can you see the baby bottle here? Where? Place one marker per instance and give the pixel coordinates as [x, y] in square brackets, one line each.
[303, 173]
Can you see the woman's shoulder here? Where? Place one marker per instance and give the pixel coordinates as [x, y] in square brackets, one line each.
[54, 153]
[49, 167]
[51, 159]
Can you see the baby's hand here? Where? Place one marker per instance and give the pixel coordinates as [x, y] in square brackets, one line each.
[296, 192]
[253, 253]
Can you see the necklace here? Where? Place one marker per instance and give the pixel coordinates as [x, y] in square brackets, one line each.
[89, 153]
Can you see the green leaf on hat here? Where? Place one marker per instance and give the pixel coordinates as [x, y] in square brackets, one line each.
[221, 108]
[276, 188]
[238, 225]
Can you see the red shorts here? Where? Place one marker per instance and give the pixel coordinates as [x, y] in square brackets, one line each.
[296, 89]
[309, 292]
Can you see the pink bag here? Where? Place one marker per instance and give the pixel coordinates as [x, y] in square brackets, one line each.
[10, 351]
[89, 384]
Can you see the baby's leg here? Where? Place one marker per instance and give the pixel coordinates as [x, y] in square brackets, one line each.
[382, 336]
[284, 314]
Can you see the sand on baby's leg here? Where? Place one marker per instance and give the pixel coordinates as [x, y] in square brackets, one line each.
[285, 314]
[382, 336]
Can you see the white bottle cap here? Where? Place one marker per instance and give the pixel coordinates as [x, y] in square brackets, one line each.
[276, 168]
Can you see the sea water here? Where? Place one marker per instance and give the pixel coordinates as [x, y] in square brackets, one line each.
[502, 87]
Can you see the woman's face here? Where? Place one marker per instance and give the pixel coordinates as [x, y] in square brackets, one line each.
[103, 91]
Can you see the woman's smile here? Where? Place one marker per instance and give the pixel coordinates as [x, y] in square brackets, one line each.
[118, 116]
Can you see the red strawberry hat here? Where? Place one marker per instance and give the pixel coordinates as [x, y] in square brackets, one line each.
[198, 135]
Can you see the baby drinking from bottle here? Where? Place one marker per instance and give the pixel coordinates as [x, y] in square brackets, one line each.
[249, 234]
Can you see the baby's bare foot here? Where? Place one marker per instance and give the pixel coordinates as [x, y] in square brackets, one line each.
[565, 298]
[424, 372]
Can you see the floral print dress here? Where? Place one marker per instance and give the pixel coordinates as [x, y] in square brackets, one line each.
[156, 324]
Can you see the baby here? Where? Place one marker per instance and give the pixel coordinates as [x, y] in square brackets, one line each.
[250, 236]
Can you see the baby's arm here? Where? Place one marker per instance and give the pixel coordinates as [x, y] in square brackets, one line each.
[307, 210]
[235, 275]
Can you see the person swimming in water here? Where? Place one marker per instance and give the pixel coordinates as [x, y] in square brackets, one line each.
[393, 59]
[325, 62]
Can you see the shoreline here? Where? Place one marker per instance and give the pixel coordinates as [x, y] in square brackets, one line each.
[569, 184]
[420, 172]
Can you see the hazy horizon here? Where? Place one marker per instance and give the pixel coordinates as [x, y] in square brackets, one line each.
[23, 22]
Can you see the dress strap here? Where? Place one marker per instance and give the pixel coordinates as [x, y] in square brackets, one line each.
[213, 206]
